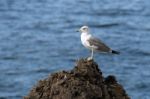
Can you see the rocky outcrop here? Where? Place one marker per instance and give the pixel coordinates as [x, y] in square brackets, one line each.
[85, 81]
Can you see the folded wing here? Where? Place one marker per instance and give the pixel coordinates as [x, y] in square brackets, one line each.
[99, 45]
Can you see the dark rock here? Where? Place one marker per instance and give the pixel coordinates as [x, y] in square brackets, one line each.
[85, 81]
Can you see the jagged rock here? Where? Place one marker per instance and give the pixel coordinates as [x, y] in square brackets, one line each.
[85, 81]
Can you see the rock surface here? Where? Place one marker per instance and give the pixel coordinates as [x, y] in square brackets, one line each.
[85, 81]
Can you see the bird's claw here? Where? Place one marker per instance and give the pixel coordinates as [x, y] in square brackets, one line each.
[90, 58]
[65, 77]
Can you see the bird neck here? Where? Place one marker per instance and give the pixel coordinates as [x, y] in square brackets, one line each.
[85, 34]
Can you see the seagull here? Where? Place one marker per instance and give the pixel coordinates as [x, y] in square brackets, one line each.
[93, 44]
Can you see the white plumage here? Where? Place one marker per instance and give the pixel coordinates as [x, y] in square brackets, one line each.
[93, 43]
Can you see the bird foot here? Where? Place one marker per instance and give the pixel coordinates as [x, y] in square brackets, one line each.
[65, 77]
[90, 58]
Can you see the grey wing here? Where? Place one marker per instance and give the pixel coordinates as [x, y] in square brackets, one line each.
[99, 44]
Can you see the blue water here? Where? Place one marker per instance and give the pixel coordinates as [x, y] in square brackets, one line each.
[38, 37]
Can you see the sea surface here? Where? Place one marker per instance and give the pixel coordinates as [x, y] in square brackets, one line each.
[38, 37]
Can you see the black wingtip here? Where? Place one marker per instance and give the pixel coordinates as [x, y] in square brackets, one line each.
[115, 52]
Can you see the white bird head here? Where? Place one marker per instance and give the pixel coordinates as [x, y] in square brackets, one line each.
[84, 29]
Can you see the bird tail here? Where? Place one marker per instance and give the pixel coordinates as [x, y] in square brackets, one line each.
[115, 52]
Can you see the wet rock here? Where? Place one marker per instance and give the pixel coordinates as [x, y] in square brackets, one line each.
[85, 81]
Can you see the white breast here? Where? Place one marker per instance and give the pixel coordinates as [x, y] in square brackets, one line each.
[84, 40]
